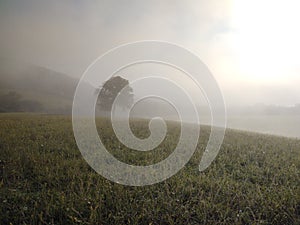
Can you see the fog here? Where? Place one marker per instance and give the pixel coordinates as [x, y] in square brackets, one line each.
[254, 59]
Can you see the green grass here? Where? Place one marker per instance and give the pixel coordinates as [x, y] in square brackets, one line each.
[44, 179]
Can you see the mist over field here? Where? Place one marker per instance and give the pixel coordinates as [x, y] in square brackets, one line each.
[46, 46]
[149, 112]
[44, 90]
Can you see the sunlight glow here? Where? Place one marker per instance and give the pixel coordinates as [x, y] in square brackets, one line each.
[266, 39]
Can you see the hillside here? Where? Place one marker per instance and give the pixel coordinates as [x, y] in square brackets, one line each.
[53, 90]
[45, 180]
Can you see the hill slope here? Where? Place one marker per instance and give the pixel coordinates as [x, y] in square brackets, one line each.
[53, 90]
[45, 180]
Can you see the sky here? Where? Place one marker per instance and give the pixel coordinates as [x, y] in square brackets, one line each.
[251, 47]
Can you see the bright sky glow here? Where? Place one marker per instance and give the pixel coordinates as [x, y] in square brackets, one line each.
[266, 39]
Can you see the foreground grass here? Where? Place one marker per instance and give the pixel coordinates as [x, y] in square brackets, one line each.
[44, 179]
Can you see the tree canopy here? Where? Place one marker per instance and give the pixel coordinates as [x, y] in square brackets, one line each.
[111, 89]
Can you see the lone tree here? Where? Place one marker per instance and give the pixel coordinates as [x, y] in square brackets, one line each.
[111, 89]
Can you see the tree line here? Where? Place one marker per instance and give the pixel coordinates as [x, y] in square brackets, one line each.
[13, 102]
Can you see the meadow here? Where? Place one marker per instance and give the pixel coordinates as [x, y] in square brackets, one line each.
[255, 179]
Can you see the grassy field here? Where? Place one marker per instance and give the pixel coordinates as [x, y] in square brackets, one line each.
[44, 179]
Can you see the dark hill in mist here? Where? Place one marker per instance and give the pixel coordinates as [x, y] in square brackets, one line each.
[50, 89]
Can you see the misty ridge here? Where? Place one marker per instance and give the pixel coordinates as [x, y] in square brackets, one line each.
[31, 88]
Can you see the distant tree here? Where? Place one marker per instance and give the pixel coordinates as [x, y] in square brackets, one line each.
[13, 102]
[31, 106]
[10, 102]
[111, 89]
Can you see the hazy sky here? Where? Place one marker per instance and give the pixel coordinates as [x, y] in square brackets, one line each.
[251, 47]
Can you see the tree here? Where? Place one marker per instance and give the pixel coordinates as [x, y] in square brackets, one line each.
[13, 102]
[111, 89]
[10, 102]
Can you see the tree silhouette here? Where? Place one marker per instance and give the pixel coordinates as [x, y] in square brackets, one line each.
[111, 89]
[13, 102]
